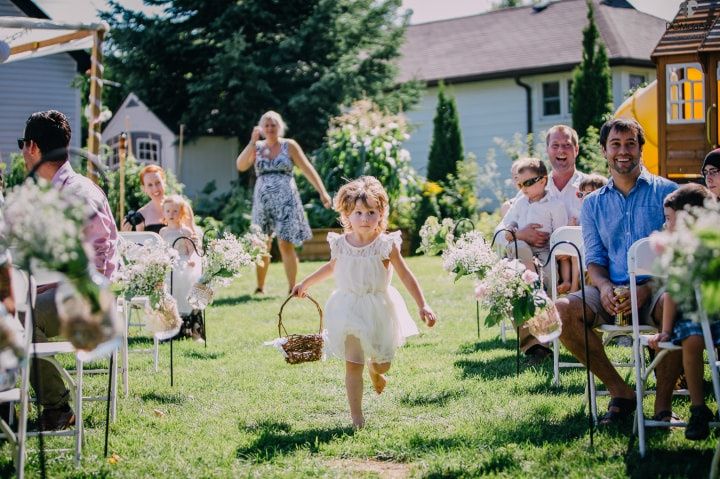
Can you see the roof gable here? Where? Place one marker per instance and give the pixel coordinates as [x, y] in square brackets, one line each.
[144, 118]
[524, 40]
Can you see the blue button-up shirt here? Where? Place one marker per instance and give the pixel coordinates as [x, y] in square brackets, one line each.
[612, 222]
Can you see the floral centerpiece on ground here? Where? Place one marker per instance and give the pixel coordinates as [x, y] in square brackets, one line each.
[469, 255]
[224, 259]
[44, 227]
[690, 258]
[145, 270]
[511, 290]
[435, 236]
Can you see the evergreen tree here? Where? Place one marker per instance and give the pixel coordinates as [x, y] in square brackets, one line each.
[217, 65]
[446, 147]
[592, 80]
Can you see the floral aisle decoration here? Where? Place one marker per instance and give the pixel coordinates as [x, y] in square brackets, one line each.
[255, 243]
[44, 228]
[511, 290]
[145, 270]
[435, 235]
[224, 259]
[690, 258]
[470, 255]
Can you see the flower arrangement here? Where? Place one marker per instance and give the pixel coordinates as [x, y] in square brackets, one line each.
[435, 236]
[224, 259]
[146, 268]
[469, 255]
[255, 243]
[45, 227]
[690, 257]
[511, 290]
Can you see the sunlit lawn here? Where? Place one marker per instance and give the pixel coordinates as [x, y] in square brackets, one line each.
[453, 407]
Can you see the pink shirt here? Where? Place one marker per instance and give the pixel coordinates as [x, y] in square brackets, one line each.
[100, 230]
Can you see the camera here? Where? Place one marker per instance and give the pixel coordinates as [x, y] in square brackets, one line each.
[134, 218]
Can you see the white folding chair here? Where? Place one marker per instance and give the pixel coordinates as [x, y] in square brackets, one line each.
[573, 235]
[21, 290]
[139, 303]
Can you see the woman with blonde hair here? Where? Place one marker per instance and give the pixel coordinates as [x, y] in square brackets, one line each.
[277, 207]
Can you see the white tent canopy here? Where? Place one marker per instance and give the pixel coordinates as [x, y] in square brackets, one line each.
[37, 37]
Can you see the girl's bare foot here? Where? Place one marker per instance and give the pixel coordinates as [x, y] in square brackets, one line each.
[379, 381]
[564, 287]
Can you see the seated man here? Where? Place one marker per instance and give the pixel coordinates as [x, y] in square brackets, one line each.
[627, 209]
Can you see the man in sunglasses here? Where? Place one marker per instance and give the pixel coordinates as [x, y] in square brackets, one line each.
[628, 208]
[44, 147]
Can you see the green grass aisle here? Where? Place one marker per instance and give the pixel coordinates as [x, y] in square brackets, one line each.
[453, 406]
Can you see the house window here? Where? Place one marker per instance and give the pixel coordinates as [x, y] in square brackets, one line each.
[569, 95]
[636, 80]
[148, 150]
[685, 87]
[551, 98]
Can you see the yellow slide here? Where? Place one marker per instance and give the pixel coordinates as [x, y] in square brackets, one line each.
[642, 106]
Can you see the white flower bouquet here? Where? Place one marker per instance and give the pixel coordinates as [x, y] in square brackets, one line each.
[510, 290]
[469, 255]
[146, 268]
[690, 258]
[224, 259]
[45, 227]
[435, 236]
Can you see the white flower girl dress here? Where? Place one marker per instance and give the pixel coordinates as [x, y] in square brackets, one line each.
[366, 318]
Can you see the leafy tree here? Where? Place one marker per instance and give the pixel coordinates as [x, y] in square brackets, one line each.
[592, 80]
[446, 148]
[216, 66]
[590, 159]
[507, 4]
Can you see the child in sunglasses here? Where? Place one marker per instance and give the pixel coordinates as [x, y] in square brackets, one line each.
[535, 207]
[589, 184]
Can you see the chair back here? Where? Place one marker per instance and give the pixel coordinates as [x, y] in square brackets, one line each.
[140, 237]
[571, 234]
[640, 259]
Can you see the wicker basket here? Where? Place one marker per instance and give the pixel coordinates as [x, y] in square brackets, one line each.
[301, 348]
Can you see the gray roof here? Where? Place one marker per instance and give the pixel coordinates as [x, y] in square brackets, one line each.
[525, 40]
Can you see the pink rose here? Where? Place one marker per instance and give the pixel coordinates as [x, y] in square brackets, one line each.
[529, 276]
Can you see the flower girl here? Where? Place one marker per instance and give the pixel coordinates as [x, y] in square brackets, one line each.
[366, 317]
[179, 219]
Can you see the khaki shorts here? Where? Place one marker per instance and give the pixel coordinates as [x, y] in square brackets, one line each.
[592, 298]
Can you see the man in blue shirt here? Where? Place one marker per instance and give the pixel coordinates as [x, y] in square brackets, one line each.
[629, 208]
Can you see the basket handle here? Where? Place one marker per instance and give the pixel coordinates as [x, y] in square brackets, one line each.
[281, 327]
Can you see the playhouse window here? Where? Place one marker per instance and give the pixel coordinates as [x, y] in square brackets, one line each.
[551, 98]
[685, 93]
[148, 150]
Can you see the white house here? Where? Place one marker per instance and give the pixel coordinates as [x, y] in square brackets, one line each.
[37, 84]
[510, 70]
[203, 160]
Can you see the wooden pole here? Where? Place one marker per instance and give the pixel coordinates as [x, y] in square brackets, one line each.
[122, 154]
[96, 75]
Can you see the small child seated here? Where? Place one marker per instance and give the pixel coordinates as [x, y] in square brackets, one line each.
[587, 185]
[181, 234]
[535, 207]
[683, 331]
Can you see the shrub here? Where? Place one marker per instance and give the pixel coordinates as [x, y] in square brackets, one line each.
[446, 149]
[364, 141]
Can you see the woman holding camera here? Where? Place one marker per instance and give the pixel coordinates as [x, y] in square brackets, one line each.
[150, 216]
[277, 207]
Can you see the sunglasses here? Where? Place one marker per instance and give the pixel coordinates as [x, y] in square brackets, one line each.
[530, 182]
[582, 194]
[21, 142]
[710, 172]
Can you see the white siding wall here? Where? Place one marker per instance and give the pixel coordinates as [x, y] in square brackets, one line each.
[34, 85]
[496, 109]
[208, 158]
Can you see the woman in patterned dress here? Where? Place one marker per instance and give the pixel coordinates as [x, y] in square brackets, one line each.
[277, 208]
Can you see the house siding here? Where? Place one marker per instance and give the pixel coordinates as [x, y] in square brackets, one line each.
[496, 109]
[209, 158]
[34, 85]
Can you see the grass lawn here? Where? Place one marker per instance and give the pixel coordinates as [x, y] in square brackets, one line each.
[453, 406]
